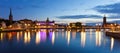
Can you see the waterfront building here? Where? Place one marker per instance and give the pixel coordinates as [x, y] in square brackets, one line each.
[106, 24]
[75, 25]
[45, 24]
[3, 25]
[16, 25]
[26, 23]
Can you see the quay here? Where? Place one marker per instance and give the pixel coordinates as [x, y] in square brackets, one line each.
[115, 34]
[24, 29]
[11, 30]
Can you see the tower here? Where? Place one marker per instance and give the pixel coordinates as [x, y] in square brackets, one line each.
[104, 21]
[47, 19]
[10, 16]
[47, 22]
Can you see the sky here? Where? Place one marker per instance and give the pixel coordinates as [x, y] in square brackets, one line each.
[62, 11]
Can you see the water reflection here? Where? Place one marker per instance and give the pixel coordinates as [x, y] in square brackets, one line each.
[98, 38]
[91, 34]
[87, 40]
[10, 36]
[83, 38]
[38, 37]
[112, 43]
[53, 37]
[68, 37]
[27, 37]
[1, 36]
[73, 34]
[18, 36]
[43, 35]
[63, 33]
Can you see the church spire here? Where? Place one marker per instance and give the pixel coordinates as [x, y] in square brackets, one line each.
[104, 15]
[10, 12]
[47, 19]
[10, 16]
[104, 20]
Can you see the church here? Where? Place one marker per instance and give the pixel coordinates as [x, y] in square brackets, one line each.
[106, 24]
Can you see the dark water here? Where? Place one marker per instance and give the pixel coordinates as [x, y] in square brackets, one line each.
[58, 42]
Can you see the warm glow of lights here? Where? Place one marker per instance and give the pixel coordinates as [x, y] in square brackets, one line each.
[28, 37]
[18, 38]
[73, 34]
[28, 24]
[38, 37]
[43, 30]
[1, 36]
[83, 38]
[25, 24]
[98, 38]
[53, 37]
[68, 37]
[112, 43]
[21, 33]
[10, 36]
[25, 37]
[10, 26]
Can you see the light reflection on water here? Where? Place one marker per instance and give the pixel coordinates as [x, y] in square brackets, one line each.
[112, 43]
[38, 37]
[83, 38]
[98, 38]
[95, 40]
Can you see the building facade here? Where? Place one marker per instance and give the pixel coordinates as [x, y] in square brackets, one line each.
[45, 24]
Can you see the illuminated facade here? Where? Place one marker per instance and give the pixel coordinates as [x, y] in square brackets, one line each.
[26, 23]
[75, 25]
[106, 24]
[45, 24]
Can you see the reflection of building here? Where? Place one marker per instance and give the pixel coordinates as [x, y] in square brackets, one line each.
[83, 38]
[10, 16]
[75, 25]
[44, 24]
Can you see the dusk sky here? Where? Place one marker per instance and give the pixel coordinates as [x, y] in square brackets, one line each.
[62, 10]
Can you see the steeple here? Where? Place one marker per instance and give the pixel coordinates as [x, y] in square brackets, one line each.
[47, 19]
[10, 16]
[104, 19]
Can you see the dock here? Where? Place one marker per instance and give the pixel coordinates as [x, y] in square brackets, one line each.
[11, 30]
[115, 34]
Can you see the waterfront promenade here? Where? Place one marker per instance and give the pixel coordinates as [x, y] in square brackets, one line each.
[65, 28]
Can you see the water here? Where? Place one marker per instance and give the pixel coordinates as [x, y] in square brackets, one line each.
[58, 42]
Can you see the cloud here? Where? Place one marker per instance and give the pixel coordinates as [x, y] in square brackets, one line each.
[79, 16]
[19, 4]
[20, 7]
[111, 8]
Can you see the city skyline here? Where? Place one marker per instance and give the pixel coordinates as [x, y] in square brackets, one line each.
[61, 11]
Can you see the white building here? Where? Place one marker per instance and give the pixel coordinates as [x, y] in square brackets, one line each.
[3, 25]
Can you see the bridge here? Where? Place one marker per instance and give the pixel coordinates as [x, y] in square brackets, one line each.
[66, 28]
[70, 28]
